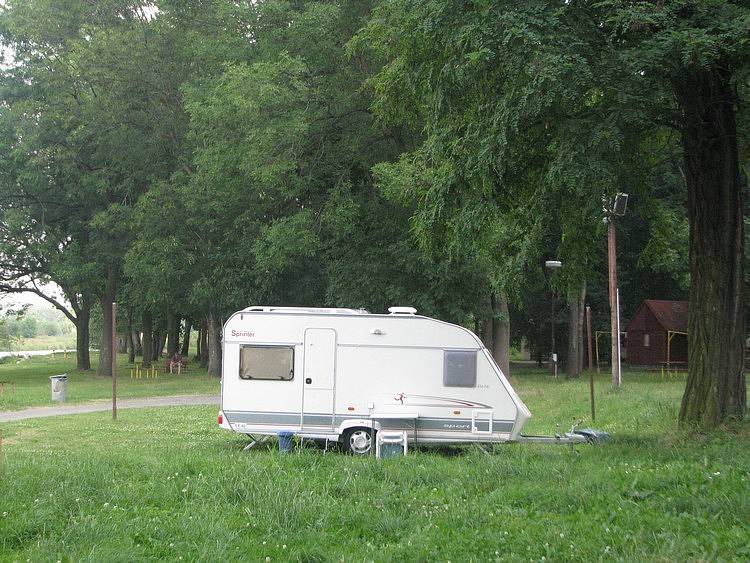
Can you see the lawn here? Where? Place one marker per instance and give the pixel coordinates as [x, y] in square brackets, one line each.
[59, 342]
[167, 483]
[33, 387]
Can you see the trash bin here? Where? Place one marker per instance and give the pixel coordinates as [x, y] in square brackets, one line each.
[285, 442]
[59, 387]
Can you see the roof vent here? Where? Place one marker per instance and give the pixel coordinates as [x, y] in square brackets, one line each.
[402, 310]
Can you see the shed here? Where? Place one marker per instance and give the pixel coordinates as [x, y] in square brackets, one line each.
[658, 328]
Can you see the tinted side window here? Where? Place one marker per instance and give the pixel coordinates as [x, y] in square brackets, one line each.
[275, 363]
[459, 368]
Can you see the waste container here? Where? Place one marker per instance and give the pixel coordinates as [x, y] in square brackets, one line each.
[285, 442]
[59, 387]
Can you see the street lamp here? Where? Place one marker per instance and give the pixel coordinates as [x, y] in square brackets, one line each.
[551, 265]
[618, 208]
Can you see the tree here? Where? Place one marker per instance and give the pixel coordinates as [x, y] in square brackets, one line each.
[42, 236]
[695, 52]
[94, 91]
[546, 103]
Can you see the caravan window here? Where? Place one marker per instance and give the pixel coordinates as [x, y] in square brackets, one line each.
[274, 363]
[459, 368]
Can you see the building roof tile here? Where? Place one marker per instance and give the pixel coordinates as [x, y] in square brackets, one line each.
[671, 315]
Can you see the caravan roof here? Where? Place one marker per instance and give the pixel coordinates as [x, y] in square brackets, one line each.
[400, 311]
[310, 310]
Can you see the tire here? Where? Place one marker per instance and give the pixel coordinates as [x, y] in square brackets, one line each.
[359, 441]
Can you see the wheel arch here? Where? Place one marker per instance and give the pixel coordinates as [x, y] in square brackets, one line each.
[347, 425]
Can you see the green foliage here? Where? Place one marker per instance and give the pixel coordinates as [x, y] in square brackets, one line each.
[20, 327]
[349, 153]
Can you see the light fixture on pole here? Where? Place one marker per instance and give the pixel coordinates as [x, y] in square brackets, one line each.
[618, 208]
[553, 265]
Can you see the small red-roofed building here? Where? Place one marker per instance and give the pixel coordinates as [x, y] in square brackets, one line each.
[657, 333]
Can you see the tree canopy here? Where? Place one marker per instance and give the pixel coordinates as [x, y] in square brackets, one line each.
[188, 160]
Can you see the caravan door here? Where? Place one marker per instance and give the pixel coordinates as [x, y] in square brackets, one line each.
[319, 379]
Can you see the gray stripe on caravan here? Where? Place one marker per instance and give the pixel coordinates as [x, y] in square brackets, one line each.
[427, 423]
[262, 417]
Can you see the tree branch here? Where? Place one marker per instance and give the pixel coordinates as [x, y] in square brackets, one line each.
[35, 290]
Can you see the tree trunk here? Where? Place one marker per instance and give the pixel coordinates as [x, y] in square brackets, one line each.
[173, 333]
[214, 345]
[147, 324]
[501, 333]
[715, 389]
[539, 344]
[199, 343]
[155, 337]
[581, 326]
[571, 364]
[131, 339]
[105, 347]
[575, 333]
[83, 359]
[137, 343]
[122, 343]
[204, 344]
[486, 321]
[185, 350]
[162, 344]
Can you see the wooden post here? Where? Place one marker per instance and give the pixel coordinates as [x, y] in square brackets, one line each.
[591, 365]
[613, 305]
[588, 332]
[114, 361]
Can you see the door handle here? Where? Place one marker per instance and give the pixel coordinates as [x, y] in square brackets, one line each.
[308, 380]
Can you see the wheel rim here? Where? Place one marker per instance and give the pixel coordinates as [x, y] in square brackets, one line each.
[360, 442]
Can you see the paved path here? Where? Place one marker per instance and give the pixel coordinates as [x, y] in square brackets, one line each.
[105, 405]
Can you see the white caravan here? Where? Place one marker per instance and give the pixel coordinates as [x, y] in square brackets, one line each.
[344, 374]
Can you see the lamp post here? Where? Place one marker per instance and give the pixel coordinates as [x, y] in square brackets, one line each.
[618, 207]
[553, 265]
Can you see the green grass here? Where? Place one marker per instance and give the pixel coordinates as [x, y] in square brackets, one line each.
[168, 484]
[33, 388]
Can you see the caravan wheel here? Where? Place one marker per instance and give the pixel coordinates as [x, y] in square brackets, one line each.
[359, 441]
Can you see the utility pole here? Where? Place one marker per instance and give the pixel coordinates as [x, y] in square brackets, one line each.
[618, 208]
[591, 364]
[612, 260]
[114, 361]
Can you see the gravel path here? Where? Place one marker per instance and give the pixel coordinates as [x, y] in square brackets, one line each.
[105, 405]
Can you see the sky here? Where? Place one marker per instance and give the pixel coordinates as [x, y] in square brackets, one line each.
[14, 300]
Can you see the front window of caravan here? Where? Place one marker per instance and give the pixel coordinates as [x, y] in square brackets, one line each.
[274, 363]
[460, 368]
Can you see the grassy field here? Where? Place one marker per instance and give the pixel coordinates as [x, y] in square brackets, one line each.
[33, 388]
[59, 342]
[169, 484]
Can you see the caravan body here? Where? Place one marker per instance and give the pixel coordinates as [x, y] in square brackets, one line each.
[343, 374]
